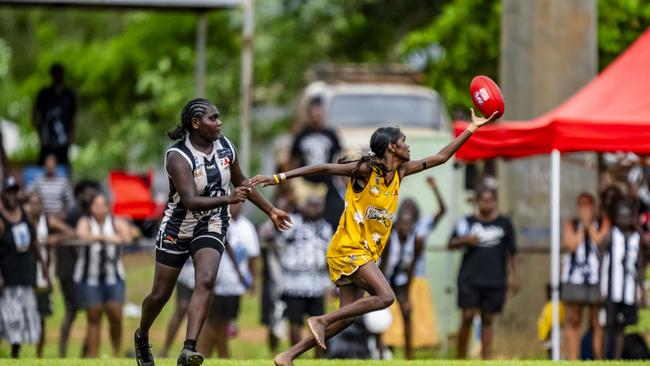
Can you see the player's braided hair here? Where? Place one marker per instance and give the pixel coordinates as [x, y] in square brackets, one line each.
[379, 142]
[195, 108]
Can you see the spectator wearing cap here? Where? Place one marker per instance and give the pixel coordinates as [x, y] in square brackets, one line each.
[19, 252]
[318, 144]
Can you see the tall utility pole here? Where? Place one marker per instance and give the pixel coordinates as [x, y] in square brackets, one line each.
[548, 52]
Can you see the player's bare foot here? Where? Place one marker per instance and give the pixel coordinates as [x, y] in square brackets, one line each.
[317, 329]
[282, 359]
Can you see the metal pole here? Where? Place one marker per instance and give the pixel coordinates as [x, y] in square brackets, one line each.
[555, 253]
[451, 264]
[246, 85]
[201, 36]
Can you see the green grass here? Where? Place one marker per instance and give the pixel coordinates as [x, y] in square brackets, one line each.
[248, 345]
[169, 362]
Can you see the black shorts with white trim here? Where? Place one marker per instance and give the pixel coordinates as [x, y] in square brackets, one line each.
[175, 253]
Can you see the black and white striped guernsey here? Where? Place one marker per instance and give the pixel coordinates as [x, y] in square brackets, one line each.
[619, 268]
[100, 262]
[212, 179]
[582, 266]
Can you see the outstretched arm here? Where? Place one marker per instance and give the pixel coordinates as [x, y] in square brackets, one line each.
[347, 169]
[448, 151]
[280, 219]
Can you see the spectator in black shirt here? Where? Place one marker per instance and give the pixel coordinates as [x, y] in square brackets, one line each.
[19, 252]
[488, 242]
[53, 117]
[317, 144]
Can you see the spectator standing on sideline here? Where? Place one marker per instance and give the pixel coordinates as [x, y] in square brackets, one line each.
[302, 251]
[398, 261]
[621, 277]
[581, 273]
[99, 272]
[54, 191]
[400, 258]
[609, 200]
[66, 258]
[236, 275]
[426, 224]
[317, 144]
[488, 241]
[19, 252]
[50, 230]
[271, 305]
[53, 117]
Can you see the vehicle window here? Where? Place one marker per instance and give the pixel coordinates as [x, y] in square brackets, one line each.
[359, 110]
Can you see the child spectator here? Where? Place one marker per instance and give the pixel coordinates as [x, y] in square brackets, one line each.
[545, 321]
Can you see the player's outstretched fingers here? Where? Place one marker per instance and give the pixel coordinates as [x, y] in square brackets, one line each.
[317, 329]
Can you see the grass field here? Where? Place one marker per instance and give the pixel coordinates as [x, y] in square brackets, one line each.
[248, 345]
[169, 362]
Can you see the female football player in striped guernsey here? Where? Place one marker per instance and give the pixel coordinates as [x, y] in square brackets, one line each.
[201, 166]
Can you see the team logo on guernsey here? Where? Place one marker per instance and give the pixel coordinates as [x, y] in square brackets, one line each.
[379, 214]
[374, 190]
[225, 157]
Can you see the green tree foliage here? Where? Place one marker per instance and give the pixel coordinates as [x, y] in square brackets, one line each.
[468, 31]
[619, 24]
[133, 71]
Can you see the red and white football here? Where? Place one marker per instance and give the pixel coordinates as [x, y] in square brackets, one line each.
[486, 96]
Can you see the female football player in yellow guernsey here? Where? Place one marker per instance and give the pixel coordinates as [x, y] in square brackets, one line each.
[370, 203]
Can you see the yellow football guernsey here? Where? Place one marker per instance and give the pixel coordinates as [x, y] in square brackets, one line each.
[364, 226]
